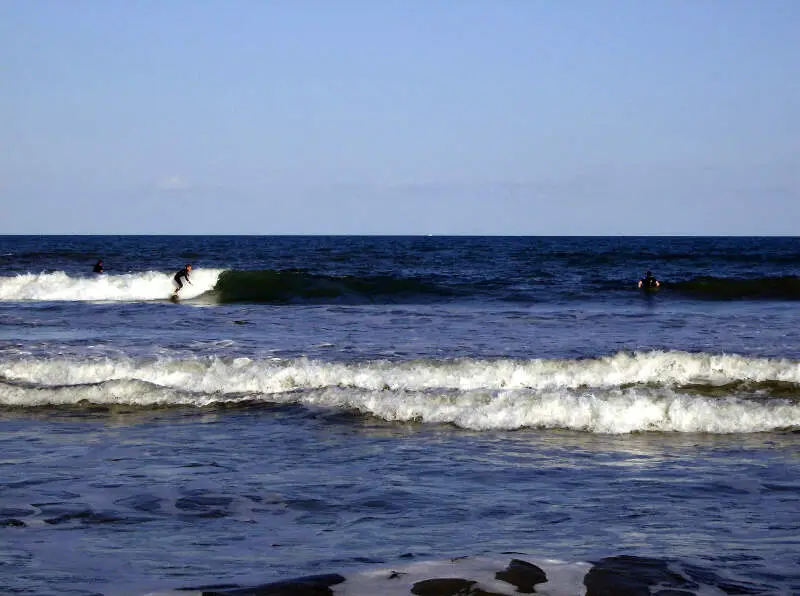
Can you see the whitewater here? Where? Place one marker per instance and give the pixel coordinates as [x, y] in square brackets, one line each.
[618, 394]
[127, 287]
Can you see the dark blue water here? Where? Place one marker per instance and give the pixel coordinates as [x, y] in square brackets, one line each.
[355, 404]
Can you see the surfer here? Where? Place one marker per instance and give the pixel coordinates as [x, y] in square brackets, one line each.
[648, 282]
[183, 273]
[98, 266]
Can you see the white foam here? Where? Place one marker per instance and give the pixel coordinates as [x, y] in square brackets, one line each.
[663, 369]
[109, 393]
[132, 287]
[564, 579]
[618, 394]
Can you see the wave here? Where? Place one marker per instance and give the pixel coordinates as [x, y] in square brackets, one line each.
[222, 286]
[302, 287]
[130, 287]
[270, 286]
[720, 288]
[623, 393]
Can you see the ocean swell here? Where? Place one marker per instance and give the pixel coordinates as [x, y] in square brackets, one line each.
[276, 287]
[722, 288]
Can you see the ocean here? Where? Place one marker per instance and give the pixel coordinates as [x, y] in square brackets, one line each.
[399, 415]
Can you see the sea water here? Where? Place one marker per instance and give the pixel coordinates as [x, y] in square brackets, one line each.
[391, 410]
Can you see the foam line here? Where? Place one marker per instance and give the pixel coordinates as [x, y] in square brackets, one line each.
[654, 391]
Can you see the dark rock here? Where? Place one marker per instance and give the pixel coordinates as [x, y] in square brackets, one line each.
[523, 575]
[449, 587]
[631, 576]
[442, 587]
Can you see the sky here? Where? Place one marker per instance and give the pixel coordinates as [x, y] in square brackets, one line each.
[512, 117]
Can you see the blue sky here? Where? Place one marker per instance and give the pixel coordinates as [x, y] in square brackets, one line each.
[400, 117]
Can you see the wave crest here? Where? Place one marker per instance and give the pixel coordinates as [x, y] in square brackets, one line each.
[129, 287]
[654, 391]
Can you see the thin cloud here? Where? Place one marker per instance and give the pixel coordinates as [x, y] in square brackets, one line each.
[173, 183]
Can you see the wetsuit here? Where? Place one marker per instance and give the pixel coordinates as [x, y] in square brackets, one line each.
[98, 268]
[182, 273]
[649, 282]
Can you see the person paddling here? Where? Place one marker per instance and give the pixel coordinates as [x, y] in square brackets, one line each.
[648, 282]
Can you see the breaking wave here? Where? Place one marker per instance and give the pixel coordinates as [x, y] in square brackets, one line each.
[301, 287]
[221, 286]
[129, 287]
[623, 393]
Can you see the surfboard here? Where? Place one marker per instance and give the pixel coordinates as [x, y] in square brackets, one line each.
[174, 298]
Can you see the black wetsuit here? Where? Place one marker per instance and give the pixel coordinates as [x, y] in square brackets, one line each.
[182, 273]
[98, 268]
[649, 282]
